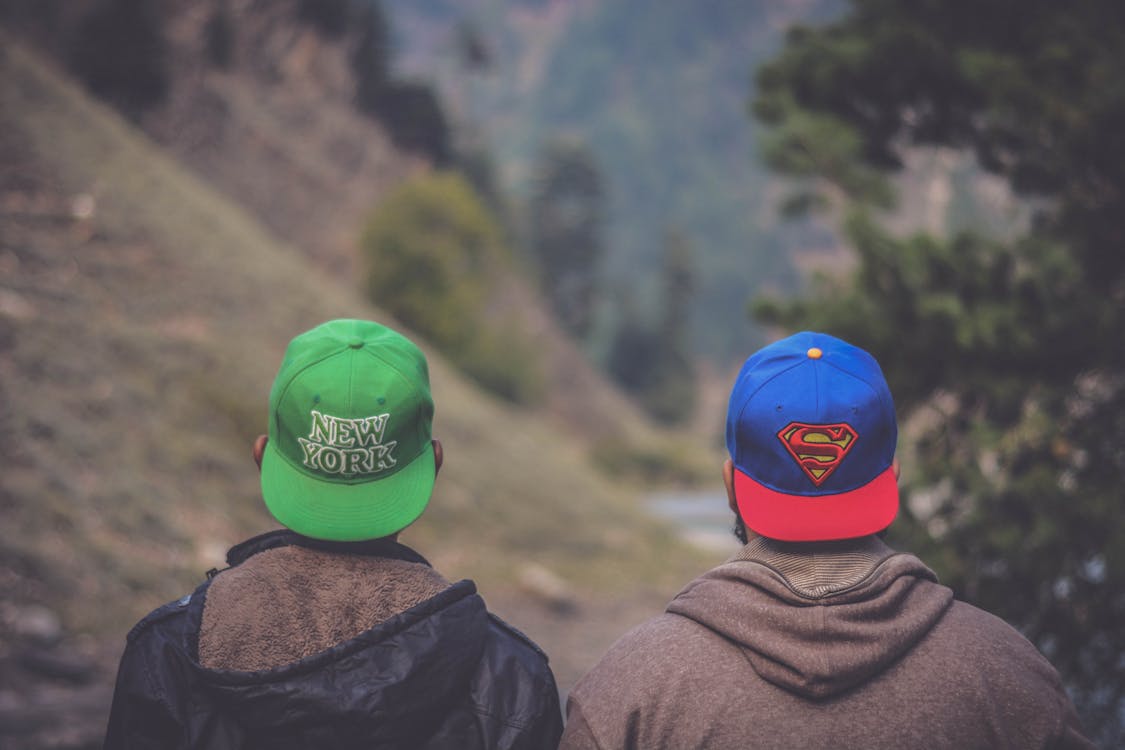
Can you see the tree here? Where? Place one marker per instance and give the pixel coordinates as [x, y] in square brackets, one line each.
[409, 110]
[567, 218]
[371, 56]
[654, 362]
[120, 53]
[330, 17]
[219, 36]
[433, 255]
[1006, 353]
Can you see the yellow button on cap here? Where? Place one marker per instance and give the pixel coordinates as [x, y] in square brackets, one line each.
[815, 353]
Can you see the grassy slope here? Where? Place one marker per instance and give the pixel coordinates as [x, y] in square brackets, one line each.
[136, 352]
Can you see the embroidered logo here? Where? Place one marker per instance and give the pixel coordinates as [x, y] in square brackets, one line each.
[347, 447]
[818, 448]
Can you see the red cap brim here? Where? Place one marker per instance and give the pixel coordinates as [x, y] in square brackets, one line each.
[795, 518]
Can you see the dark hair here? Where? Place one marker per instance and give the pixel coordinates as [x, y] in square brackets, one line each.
[740, 529]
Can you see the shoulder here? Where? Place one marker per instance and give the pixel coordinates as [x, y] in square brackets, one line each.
[981, 650]
[668, 634]
[165, 617]
[514, 691]
[508, 650]
[513, 636]
[158, 638]
[147, 675]
[650, 657]
[635, 695]
[988, 651]
[978, 630]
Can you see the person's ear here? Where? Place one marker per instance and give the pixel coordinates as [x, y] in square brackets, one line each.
[895, 466]
[439, 456]
[260, 449]
[728, 480]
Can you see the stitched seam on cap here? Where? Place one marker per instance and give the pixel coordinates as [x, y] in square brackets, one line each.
[746, 401]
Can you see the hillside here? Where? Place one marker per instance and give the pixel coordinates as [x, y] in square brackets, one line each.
[275, 129]
[659, 92]
[142, 316]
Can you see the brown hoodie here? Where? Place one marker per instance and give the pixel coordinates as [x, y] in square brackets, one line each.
[835, 645]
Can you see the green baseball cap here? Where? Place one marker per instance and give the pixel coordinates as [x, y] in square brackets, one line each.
[349, 455]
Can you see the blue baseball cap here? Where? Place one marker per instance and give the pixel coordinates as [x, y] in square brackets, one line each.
[811, 431]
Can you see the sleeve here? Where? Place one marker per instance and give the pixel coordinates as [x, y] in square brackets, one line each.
[543, 733]
[515, 682]
[578, 734]
[140, 717]
[1073, 739]
[1070, 735]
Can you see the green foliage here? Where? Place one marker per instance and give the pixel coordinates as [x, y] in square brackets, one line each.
[474, 161]
[1006, 355]
[433, 254]
[656, 464]
[567, 217]
[654, 362]
[656, 91]
[120, 53]
[409, 110]
[504, 359]
[814, 145]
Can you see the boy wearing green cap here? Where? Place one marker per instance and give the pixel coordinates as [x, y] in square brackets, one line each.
[329, 633]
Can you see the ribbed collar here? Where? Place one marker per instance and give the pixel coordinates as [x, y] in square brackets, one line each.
[817, 569]
[385, 547]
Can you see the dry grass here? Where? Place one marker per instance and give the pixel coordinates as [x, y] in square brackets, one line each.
[136, 352]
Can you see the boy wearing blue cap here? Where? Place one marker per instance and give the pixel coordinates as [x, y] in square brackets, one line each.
[816, 634]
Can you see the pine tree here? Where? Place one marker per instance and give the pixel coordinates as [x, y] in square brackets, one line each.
[1007, 350]
[652, 361]
[567, 217]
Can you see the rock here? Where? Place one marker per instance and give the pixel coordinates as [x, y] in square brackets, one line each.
[58, 665]
[548, 587]
[33, 622]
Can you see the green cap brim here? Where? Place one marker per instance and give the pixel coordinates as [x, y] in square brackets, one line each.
[346, 512]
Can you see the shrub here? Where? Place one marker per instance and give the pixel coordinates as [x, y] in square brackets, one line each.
[432, 255]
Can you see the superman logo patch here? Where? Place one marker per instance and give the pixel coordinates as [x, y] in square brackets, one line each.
[818, 448]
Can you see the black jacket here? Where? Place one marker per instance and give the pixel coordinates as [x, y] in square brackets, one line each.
[442, 674]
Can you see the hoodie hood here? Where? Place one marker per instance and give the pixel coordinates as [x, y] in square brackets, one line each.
[818, 619]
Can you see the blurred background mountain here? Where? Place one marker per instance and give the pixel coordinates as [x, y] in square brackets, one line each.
[649, 102]
[656, 95]
[573, 206]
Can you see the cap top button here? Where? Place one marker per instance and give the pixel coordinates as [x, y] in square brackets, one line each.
[356, 343]
[815, 353]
